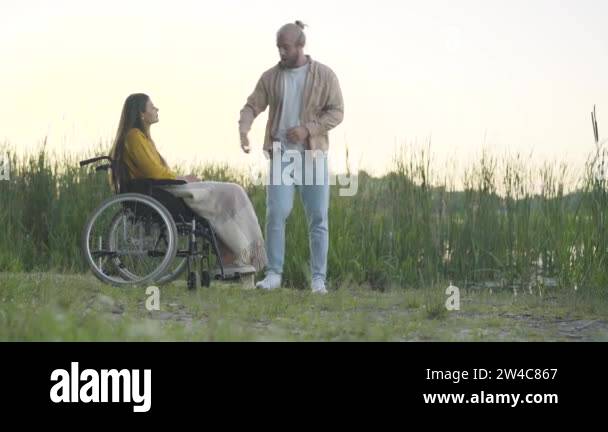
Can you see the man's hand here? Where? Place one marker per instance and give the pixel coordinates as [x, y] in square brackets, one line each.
[297, 135]
[245, 143]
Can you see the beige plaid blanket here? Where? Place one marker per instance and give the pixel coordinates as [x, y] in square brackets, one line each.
[229, 211]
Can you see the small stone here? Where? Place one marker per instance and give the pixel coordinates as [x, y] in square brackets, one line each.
[105, 304]
[161, 316]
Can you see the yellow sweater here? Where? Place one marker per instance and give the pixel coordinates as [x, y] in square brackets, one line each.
[142, 158]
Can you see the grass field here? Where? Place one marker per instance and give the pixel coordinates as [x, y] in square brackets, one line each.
[53, 307]
[511, 228]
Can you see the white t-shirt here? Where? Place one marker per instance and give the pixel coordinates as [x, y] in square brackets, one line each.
[293, 90]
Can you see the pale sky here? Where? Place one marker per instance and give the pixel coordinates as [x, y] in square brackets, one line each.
[519, 76]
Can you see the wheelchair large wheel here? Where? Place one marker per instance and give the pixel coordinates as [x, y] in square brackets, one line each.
[130, 239]
[175, 268]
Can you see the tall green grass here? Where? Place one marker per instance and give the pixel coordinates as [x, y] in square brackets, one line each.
[509, 223]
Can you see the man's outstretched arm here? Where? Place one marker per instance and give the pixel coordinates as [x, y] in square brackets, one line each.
[256, 104]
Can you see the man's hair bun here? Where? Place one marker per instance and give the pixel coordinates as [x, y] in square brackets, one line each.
[300, 24]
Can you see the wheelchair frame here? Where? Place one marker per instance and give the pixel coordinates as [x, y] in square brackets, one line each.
[189, 224]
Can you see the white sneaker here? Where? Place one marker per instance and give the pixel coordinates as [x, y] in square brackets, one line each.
[318, 286]
[270, 282]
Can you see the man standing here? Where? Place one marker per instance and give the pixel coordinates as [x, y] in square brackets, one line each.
[305, 103]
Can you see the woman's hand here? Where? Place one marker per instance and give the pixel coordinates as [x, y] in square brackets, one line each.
[190, 178]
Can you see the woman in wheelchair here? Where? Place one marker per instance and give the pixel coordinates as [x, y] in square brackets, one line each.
[225, 206]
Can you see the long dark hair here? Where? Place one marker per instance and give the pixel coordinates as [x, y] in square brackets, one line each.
[133, 108]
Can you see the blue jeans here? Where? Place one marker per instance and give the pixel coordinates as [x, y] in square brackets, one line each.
[311, 178]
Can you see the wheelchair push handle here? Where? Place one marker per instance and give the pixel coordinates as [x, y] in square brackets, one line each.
[96, 159]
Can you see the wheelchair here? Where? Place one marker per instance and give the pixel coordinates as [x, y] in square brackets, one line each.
[145, 235]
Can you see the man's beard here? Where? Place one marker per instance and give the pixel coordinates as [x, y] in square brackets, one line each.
[290, 62]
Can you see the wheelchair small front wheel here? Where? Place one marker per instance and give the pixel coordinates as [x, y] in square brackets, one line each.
[192, 282]
[205, 278]
[130, 239]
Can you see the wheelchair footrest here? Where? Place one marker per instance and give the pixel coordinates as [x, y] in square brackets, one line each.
[232, 272]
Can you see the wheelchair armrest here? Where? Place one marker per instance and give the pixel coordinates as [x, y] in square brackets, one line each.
[166, 182]
[146, 185]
